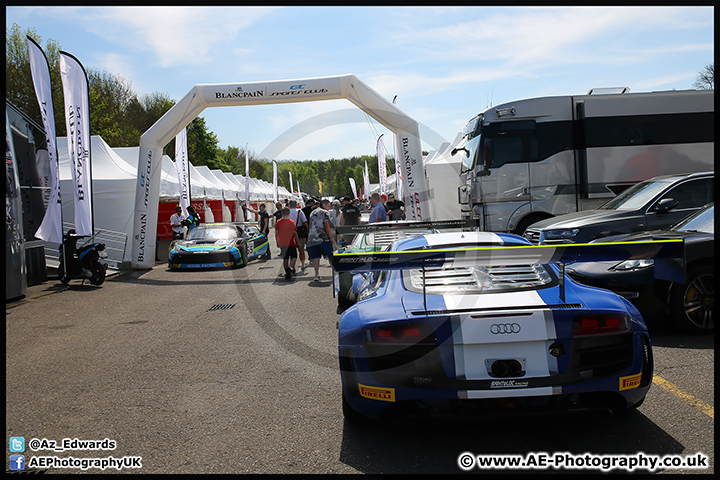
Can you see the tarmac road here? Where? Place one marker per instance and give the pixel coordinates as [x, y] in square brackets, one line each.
[255, 388]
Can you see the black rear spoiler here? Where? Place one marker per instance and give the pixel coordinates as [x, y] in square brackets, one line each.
[389, 226]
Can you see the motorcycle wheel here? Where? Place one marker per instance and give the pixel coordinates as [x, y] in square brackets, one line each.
[62, 274]
[98, 274]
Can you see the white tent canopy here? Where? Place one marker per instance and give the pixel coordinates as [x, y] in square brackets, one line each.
[442, 174]
[230, 190]
[212, 189]
[113, 185]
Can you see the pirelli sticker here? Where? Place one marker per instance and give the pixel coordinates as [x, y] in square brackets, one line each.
[626, 383]
[377, 393]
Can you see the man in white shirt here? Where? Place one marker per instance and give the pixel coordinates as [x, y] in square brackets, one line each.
[177, 228]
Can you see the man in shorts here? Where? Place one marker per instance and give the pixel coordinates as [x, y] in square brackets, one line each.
[287, 239]
[297, 215]
[319, 241]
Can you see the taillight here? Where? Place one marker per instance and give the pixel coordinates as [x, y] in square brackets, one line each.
[410, 334]
[600, 324]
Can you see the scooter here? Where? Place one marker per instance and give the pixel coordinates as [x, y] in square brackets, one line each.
[83, 263]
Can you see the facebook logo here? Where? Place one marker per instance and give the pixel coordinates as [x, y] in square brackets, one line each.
[17, 444]
[17, 462]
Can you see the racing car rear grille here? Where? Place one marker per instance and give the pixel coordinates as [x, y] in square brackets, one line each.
[602, 355]
[386, 239]
[406, 366]
[478, 279]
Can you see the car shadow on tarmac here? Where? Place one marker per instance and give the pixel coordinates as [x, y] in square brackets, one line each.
[434, 445]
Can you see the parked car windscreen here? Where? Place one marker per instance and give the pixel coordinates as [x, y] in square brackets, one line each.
[702, 221]
[636, 196]
[211, 234]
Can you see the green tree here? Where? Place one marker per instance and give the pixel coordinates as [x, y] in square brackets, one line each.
[203, 146]
[19, 88]
[110, 98]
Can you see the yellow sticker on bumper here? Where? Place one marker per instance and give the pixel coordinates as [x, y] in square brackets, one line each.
[377, 393]
[626, 383]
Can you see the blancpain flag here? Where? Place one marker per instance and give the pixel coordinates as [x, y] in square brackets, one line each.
[275, 182]
[182, 165]
[247, 177]
[354, 188]
[291, 185]
[50, 229]
[398, 171]
[382, 170]
[366, 181]
[75, 91]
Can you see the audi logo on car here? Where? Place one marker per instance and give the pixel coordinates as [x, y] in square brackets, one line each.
[504, 328]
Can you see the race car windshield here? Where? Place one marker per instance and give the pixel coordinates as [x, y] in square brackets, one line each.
[474, 280]
[211, 234]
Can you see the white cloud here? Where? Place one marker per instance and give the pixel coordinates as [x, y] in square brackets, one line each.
[176, 35]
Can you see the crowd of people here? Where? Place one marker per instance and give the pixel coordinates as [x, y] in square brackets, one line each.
[307, 233]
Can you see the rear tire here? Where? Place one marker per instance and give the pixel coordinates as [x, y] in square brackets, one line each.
[62, 274]
[98, 273]
[352, 415]
[344, 288]
[692, 304]
[628, 410]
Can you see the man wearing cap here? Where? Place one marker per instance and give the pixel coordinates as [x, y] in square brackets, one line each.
[395, 208]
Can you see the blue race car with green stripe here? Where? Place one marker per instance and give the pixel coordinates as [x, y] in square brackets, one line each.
[213, 245]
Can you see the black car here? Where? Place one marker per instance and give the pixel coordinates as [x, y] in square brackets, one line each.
[690, 305]
[649, 205]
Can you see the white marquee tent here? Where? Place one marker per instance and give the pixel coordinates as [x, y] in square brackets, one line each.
[442, 174]
[113, 187]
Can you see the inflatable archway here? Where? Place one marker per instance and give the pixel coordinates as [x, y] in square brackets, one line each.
[261, 93]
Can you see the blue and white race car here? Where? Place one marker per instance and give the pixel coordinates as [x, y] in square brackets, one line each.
[211, 245]
[485, 323]
[376, 237]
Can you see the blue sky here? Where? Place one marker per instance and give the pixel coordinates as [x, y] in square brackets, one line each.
[445, 64]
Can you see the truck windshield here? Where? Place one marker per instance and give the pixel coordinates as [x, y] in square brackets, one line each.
[471, 132]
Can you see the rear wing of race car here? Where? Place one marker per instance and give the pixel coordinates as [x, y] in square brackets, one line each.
[668, 255]
[392, 226]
